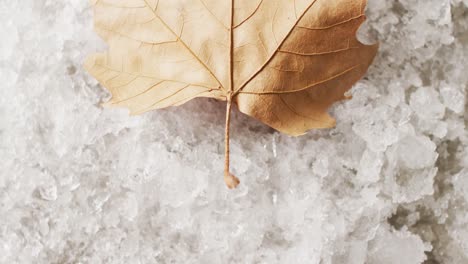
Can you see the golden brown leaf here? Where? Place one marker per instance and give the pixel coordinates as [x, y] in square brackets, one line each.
[283, 62]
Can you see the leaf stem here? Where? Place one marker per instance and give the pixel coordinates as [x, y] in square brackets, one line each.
[231, 180]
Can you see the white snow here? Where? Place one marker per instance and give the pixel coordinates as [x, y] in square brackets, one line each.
[83, 184]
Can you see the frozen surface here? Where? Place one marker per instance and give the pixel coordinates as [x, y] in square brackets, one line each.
[82, 184]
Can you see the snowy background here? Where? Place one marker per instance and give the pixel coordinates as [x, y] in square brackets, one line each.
[83, 184]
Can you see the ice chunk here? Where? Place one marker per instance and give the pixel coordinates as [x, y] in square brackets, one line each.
[370, 165]
[417, 152]
[320, 166]
[391, 246]
[425, 102]
[48, 192]
[454, 99]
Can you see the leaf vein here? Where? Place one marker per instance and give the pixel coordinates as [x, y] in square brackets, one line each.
[249, 16]
[274, 53]
[333, 25]
[296, 112]
[317, 53]
[164, 98]
[184, 44]
[153, 77]
[308, 86]
[131, 97]
[135, 39]
[215, 17]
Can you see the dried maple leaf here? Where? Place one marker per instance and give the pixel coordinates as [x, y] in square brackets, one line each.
[283, 62]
